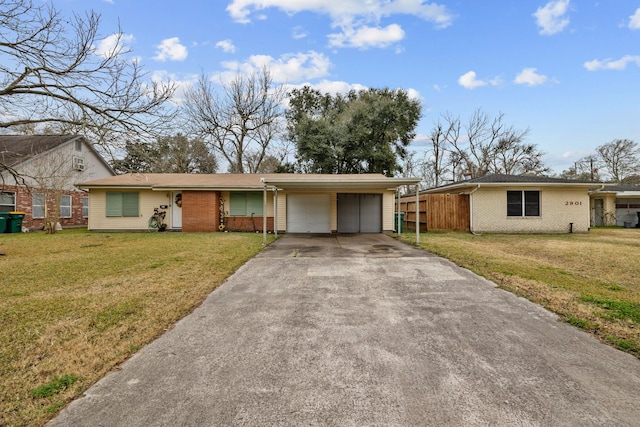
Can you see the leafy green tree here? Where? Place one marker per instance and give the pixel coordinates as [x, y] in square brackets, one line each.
[361, 132]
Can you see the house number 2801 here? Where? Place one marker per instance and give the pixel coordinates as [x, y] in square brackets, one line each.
[573, 203]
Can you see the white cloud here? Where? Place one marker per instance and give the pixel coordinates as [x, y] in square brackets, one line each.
[551, 18]
[529, 76]
[292, 67]
[357, 20]
[609, 64]
[298, 33]
[365, 37]
[113, 45]
[171, 50]
[469, 80]
[332, 87]
[241, 10]
[181, 84]
[634, 20]
[226, 46]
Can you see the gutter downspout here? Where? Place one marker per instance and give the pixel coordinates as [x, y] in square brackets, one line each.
[471, 209]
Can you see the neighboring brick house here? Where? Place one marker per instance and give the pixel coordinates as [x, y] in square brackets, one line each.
[525, 204]
[39, 173]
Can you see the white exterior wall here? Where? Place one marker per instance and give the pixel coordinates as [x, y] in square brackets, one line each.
[147, 200]
[59, 162]
[558, 208]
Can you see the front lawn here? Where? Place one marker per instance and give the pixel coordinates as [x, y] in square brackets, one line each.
[73, 305]
[592, 280]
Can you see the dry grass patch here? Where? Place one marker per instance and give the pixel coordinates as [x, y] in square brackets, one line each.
[592, 280]
[73, 305]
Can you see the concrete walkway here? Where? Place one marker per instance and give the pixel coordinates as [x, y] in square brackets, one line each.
[355, 331]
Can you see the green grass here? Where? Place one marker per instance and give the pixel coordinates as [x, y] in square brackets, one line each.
[75, 304]
[592, 280]
[54, 387]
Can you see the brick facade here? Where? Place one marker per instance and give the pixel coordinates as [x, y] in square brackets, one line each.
[24, 203]
[246, 223]
[200, 211]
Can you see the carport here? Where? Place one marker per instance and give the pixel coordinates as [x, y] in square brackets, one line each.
[361, 210]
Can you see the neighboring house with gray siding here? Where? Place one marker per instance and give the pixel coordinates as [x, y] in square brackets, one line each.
[31, 166]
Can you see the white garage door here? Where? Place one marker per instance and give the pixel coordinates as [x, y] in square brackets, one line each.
[308, 213]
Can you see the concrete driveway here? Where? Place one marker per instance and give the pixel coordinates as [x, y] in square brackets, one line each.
[363, 330]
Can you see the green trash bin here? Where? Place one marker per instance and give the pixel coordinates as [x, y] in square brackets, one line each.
[4, 216]
[14, 223]
[395, 222]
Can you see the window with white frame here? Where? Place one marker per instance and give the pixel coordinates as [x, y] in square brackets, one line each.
[65, 206]
[7, 201]
[37, 205]
[85, 207]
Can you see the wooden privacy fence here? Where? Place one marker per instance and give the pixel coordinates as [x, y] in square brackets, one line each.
[437, 212]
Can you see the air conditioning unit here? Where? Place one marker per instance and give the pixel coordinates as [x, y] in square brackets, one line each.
[78, 163]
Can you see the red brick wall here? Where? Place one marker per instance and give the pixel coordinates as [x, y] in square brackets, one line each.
[200, 211]
[24, 204]
[245, 223]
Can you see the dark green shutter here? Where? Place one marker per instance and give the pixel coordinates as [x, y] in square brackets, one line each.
[114, 204]
[238, 203]
[129, 204]
[254, 204]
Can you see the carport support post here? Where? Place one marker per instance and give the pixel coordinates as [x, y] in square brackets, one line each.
[417, 214]
[264, 215]
[275, 211]
[398, 211]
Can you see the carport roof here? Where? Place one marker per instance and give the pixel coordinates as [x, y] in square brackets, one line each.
[220, 182]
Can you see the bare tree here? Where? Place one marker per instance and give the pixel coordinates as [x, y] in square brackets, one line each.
[488, 145]
[620, 158]
[53, 74]
[242, 121]
[440, 159]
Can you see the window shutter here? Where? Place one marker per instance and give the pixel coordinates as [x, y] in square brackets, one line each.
[129, 204]
[238, 203]
[114, 204]
[254, 204]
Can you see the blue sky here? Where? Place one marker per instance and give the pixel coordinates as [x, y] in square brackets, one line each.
[568, 70]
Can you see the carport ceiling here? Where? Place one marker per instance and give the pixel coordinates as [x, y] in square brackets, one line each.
[307, 183]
